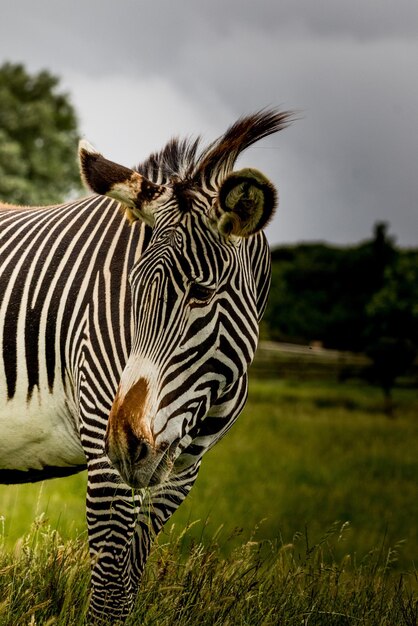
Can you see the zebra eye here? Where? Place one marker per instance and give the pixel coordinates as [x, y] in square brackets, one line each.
[200, 294]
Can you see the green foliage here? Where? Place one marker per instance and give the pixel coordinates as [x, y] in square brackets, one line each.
[38, 138]
[393, 310]
[360, 299]
[392, 327]
[320, 292]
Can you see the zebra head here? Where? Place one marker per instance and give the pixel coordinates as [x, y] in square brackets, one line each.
[198, 292]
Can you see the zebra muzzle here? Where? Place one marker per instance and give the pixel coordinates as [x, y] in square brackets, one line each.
[133, 449]
[140, 462]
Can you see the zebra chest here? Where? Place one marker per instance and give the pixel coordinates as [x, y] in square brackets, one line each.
[39, 437]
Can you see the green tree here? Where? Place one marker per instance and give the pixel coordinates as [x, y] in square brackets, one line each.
[393, 324]
[320, 292]
[38, 138]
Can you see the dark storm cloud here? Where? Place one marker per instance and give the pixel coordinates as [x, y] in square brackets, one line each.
[150, 70]
[133, 34]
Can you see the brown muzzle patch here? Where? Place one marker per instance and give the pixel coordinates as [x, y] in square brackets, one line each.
[127, 422]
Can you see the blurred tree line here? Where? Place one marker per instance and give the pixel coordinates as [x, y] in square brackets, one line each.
[361, 298]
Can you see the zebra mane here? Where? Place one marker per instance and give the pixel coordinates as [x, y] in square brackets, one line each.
[181, 159]
[176, 160]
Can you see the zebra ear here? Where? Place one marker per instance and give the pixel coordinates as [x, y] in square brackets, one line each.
[246, 203]
[136, 193]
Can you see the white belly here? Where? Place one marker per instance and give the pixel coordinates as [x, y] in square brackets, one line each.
[40, 433]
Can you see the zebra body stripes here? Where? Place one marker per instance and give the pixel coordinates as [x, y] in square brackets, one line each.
[128, 321]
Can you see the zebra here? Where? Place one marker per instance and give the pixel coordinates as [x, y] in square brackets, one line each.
[128, 321]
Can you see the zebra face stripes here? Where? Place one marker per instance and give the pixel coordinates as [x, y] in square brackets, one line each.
[192, 342]
[194, 298]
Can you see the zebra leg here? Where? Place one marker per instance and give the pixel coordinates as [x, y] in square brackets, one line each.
[122, 526]
[112, 510]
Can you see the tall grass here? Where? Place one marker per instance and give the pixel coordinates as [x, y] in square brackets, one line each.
[44, 582]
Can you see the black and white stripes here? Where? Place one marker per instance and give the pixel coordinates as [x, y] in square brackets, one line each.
[125, 348]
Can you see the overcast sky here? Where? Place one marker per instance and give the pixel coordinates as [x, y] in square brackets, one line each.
[140, 72]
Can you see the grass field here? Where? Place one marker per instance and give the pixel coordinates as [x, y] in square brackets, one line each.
[309, 455]
[45, 583]
[303, 458]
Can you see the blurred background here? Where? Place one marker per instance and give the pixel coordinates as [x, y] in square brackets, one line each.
[330, 430]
